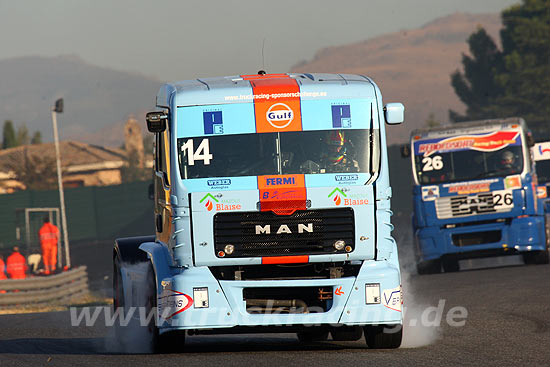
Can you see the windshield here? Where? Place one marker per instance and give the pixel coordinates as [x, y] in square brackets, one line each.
[303, 152]
[543, 171]
[464, 165]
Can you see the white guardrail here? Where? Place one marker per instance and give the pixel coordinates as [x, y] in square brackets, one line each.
[44, 289]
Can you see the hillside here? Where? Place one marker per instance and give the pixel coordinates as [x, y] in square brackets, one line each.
[97, 100]
[410, 66]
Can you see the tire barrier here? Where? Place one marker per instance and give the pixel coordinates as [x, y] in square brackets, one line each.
[46, 289]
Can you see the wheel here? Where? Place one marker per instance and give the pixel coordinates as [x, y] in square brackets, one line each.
[311, 336]
[450, 265]
[118, 292]
[346, 333]
[429, 267]
[536, 257]
[383, 336]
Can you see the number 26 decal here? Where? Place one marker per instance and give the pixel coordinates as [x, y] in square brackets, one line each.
[201, 154]
[432, 164]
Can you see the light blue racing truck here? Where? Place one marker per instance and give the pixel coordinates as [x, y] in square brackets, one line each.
[474, 194]
[272, 212]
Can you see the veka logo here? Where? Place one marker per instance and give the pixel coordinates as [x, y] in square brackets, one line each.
[279, 115]
[336, 193]
[542, 151]
[209, 203]
[339, 291]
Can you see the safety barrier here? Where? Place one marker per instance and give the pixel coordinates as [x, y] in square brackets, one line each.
[44, 289]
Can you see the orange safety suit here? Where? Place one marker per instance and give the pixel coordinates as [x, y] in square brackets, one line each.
[49, 235]
[16, 266]
[2, 270]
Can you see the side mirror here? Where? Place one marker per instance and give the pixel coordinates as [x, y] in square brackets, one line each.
[530, 140]
[156, 121]
[394, 113]
[405, 151]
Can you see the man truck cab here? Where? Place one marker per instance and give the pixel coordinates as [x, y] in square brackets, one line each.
[272, 212]
[474, 194]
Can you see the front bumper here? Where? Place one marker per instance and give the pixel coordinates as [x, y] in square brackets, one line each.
[226, 307]
[516, 235]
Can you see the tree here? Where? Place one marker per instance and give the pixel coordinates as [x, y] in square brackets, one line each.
[132, 171]
[35, 172]
[431, 122]
[36, 138]
[9, 140]
[477, 87]
[526, 75]
[519, 80]
[22, 135]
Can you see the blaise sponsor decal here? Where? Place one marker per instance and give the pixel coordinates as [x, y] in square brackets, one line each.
[339, 197]
[217, 203]
[393, 299]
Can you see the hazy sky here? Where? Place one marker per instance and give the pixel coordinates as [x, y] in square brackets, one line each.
[182, 39]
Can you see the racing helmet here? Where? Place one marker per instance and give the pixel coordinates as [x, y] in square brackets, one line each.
[336, 149]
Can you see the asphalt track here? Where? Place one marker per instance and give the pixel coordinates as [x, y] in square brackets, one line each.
[508, 323]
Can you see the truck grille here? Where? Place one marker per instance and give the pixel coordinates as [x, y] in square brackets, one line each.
[305, 232]
[467, 205]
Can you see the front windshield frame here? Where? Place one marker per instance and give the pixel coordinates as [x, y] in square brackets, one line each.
[275, 159]
[488, 157]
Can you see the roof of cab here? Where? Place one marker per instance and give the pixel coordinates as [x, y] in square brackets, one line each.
[229, 89]
[469, 127]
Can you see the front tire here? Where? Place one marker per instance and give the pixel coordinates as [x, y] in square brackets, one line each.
[312, 336]
[429, 267]
[383, 336]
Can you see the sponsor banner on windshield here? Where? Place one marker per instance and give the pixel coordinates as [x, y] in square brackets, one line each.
[480, 142]
[541, 151]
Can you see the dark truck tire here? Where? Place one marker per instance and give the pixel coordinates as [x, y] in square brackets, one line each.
[383, 336]
[127, 253]
[346, 333]
[450, 265]
[543, 256]
[313, 335]
[536, 257]
[429, 267]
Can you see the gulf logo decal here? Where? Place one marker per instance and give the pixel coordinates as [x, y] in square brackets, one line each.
[482, 143]
[282, 194]
[276, 102]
